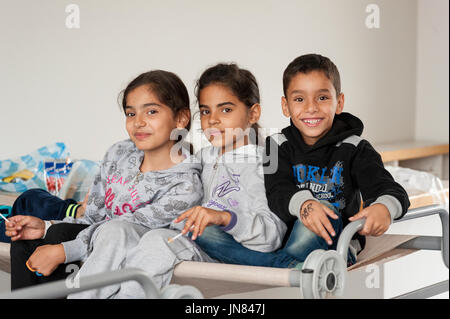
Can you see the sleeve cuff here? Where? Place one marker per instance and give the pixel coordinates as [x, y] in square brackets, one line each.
[392, 204]
[47, 226]
[71, 211]
[74, 250]
[232, 222]
[297, 200]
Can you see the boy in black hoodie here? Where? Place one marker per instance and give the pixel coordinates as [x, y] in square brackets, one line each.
[318, 168]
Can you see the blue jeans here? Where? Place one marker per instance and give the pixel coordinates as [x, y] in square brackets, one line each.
[301, 242]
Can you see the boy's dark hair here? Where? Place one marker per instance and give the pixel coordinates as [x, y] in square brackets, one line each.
[167, 86]
[241, 82]
[312, 62]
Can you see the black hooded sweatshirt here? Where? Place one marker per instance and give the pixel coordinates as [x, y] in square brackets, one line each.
[340, 168]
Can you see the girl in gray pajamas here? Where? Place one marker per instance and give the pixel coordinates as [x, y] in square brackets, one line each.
[130, 202]
[144, 183]
[125, 206]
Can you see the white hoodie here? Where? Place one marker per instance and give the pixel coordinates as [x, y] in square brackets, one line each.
[234, 182]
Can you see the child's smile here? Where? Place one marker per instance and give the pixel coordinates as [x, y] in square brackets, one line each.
[312, 122]
[141, 135]
[311, 103]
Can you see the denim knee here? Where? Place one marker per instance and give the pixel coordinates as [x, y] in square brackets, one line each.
[218, 244]
[213, 236]
[303, 241]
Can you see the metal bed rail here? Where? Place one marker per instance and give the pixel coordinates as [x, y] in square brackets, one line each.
[63, 288]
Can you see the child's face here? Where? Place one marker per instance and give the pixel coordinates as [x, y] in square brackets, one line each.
[311, 103]
[148, 121]
[224, 118]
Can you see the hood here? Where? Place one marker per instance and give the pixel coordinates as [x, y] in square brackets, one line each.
[191, 163]
[188, 166]
[245, 154]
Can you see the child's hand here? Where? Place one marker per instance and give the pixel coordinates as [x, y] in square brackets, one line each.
[378, 220]
[314, 216]
[22, 227]
[46, 258]
[201, 217]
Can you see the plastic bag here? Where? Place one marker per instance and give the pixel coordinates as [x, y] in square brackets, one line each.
[56, 172]
[80, 180]
[414, 182]
[33, 162]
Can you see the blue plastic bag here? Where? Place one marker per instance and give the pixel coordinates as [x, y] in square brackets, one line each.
[34, 162]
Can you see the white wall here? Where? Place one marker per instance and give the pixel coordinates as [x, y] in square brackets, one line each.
[432, 70]
[60, 84]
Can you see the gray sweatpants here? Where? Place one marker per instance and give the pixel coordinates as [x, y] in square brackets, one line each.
[120, 244]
